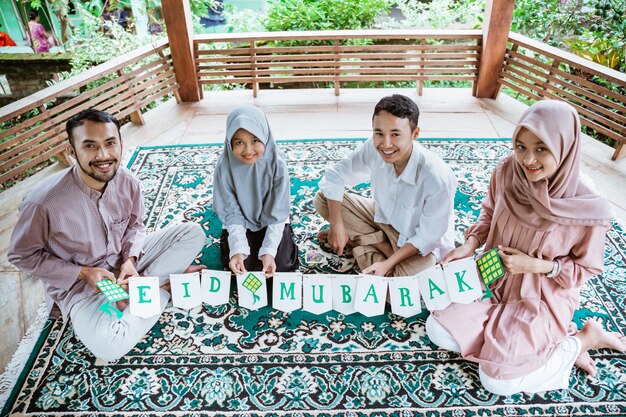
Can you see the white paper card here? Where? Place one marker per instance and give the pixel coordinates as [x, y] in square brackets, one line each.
[433, 288]
[344, 293]
[186, 291]
[252, 290]
[404, 293]
[145, 297]
[462, 281]
[215, 287]
[371, 295]
[317, 296]
[287, 291]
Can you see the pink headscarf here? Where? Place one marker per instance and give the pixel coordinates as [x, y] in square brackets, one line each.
[561, 199]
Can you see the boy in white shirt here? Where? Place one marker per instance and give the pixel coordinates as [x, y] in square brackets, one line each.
[408, 226]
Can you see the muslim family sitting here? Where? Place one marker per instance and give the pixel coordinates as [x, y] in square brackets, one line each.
[86, 224]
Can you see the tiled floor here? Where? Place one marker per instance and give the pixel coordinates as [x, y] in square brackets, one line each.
[293, 114]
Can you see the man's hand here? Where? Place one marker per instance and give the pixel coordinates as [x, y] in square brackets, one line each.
[236, 264]
[93, 275]
[269, 265]
[378, 268]
[127, 270]
[337, 238]
[515, 261]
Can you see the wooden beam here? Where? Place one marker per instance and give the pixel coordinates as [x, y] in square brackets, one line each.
[496, 28]
[178, 21]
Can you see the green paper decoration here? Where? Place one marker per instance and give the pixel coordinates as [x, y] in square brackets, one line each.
[111, 290]
[490, 267]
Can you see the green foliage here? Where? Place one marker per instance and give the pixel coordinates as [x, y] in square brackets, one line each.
[243, 20]
[609, 52]
[441, 14]
[300, 15]
[554, 21]
[97, 42]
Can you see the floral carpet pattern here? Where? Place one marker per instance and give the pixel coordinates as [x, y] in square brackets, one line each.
[229, 361]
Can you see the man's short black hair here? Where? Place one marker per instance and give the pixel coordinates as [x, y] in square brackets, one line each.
[399, 106]
[92, 115]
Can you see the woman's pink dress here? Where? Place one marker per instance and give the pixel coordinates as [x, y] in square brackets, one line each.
[40, 41]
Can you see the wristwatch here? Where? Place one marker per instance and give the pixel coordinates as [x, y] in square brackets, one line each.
[555, 270]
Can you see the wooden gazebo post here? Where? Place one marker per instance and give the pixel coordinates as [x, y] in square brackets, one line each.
[178, 21]
[496, 27]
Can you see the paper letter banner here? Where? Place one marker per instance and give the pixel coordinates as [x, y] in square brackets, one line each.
[186, 290]
[463, 281]
[404, 294]
[433, 288]
[344, 293]
[287, 291]
[215, 287]
[371, 295]
[145, 297]
[252, 290]
[317, 295]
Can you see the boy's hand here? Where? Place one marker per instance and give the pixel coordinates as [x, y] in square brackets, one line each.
[127, 270]
[379, 269]
[269, 265]
[236, 264]
[337, 238]
[93, 275]
[464, 251]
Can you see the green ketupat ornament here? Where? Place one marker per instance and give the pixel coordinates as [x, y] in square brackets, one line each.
[113, 292]
[252, 284]
[490, 269]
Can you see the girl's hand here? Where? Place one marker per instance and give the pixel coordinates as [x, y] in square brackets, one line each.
[464, 251]
[236, 264]
[515, 261]
[269, 265]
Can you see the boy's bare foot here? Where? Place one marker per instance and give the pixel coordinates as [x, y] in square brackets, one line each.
[385, 248]
[194, 268]
[593, 336]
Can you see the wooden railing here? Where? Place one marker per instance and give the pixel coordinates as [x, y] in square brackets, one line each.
[338, 56]
[122, 87]
[127, 84]
[598, 93]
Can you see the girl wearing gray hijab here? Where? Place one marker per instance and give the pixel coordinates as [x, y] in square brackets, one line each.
[251, 197]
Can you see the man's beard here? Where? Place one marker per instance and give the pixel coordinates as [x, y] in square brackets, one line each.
[98, 177]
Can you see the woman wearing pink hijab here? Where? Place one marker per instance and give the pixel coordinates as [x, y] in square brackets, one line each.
[550, 230]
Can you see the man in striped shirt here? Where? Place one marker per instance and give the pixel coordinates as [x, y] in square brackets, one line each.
[85, 224]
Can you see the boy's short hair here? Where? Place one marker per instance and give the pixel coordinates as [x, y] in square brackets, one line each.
[92, 115]
[399, 106]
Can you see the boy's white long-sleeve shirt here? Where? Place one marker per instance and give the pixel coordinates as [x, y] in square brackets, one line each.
[419, 203]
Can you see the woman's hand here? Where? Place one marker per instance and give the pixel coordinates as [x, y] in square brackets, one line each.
[236, 264]
[515, 261]
[464, 251]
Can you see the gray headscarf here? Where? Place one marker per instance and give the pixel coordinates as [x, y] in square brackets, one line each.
[257, 195]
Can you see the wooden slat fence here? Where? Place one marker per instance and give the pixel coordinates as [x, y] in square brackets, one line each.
[598, 93]
[122, 87]
[337, 56]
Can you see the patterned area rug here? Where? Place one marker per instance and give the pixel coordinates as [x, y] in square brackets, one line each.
[228, 361]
